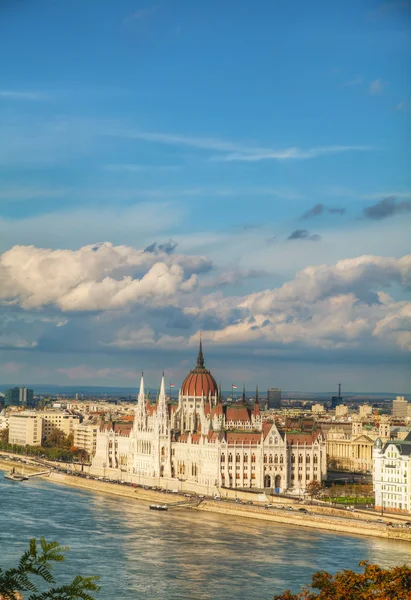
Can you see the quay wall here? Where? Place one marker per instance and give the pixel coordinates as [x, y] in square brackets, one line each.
[324, 519]
[301, 520]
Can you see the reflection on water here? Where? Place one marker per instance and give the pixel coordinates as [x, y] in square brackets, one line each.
[178, 555]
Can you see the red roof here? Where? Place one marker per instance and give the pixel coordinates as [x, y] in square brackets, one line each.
[302, 438]
[246, 437]
[237, 413]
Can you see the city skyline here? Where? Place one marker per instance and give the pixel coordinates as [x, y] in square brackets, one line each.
[235, 170]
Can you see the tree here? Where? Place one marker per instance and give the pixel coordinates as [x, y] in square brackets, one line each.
[374, 584]
[36, 562]
[314, 488]
[4, 435]
[57, 439]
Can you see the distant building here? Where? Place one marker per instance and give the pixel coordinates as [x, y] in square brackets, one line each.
[318, 408]
[19, 396]
[25, 428]
[341, 410]
[392, 475]
[400, 408]
[353, 450]
[365, 410]
[336, 400]
[274, 398]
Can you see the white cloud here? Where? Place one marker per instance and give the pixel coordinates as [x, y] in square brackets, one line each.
[18, 95]
[95, 277]
[325, 307]
[377, 87]
[236, 151]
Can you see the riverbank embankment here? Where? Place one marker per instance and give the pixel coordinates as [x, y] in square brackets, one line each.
[349, 524]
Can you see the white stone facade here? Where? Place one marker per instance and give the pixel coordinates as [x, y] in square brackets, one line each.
[392, 475]
[209, 446]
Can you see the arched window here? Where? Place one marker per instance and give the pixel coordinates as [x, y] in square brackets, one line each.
[223, 458]
[315, 459]
[253, 458]
[230, 458]
[245, 458]
[276, 459]
[237, 458]
[281, 459]
[270, 460]
[300, 458]
[265, 458]
[292, 458]
[307, 459]
[163, 451]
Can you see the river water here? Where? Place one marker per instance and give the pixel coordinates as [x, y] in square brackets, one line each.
[176, 555]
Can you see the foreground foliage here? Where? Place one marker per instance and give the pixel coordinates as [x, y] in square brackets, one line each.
[374, 584]
[35, 562]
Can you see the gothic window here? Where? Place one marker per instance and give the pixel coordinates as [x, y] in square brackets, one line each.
[307, 460]
[276, 459]
[245, 458]
[281, 459]
[230, 458]
[292, 458]
[163, 451]
[315, 459]
[300, 458]
[237, 458]
[223, 458]
[253, 458]
[270, 460]
[265, 458]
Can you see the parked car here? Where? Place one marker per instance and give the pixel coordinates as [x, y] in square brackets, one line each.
[303, 510]
[289, 508]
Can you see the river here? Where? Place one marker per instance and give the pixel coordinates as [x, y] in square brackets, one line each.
[177, 555]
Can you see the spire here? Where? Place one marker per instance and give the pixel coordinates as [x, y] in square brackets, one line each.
[140, 397]
[256, 394]
[244, 393]
[140, 414]
[200, 357]
[161, 400]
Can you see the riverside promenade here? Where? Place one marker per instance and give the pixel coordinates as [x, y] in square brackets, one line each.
[322, 518]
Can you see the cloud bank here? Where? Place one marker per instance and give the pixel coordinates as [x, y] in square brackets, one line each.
[123, 298]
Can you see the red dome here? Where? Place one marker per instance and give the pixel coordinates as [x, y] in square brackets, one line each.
[199, 381]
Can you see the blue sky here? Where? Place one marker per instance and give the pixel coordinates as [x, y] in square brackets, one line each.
[270, 139]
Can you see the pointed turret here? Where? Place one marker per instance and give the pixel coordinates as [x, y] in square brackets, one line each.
[244, 393]
[141, 397]
[162, 402]
[141, 413]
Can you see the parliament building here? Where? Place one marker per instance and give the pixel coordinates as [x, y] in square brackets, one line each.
[203, 445]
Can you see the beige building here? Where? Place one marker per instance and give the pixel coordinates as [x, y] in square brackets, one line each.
[25, 428]
[354, 451]
[57, 419]
[85, 437]
[400, 408]
[341, 410]
[318, 408]
[365, 410]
